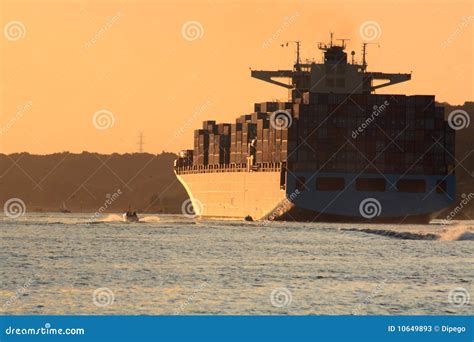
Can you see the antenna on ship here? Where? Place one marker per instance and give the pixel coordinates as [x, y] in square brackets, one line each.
[140, 142]
[298, 57]
[343, 40]
[364, 61]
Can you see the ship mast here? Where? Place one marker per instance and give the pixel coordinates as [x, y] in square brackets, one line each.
[298, 56]
[320, 78]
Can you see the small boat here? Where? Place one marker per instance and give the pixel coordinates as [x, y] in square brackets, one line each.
[63, 208]
[130, 216]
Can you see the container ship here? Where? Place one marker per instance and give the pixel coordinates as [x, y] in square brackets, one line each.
[335, 151]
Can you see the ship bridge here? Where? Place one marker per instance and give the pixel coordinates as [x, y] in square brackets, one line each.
[334, 75]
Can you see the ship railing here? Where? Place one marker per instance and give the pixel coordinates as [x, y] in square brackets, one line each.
[233, 167]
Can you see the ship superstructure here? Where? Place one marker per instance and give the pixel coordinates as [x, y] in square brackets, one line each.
[335, 151]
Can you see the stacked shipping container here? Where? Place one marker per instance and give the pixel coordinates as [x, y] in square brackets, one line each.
[336, 133]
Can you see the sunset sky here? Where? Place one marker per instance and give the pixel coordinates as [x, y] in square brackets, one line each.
[135, 63]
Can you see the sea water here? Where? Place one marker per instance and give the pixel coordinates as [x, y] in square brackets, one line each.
[172, 265]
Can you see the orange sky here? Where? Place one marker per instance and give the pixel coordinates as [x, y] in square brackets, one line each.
[70, 59]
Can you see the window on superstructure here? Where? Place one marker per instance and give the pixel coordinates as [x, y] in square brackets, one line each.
[329, 183]
[411, 185]
[370, 184]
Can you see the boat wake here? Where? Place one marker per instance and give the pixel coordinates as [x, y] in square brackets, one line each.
[111, 218]
[150, 219]
[455, 232]
[459, 232]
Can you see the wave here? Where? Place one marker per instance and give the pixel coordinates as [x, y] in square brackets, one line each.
[150, 219]
[456, 232]
[460, 232]
[111, 218]
[395, 234]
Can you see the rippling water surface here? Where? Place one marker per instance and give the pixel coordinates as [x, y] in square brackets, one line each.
[60, 264]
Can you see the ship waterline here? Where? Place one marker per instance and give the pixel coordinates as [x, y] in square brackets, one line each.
[280, 195]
